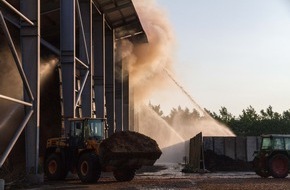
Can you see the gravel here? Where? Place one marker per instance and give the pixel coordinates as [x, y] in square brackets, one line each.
[169, 177]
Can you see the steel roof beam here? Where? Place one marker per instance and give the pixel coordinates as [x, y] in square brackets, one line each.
[125, 24]
[49, 11]
[100, 13]
[10, 17]
[50, 47]
[117, 8]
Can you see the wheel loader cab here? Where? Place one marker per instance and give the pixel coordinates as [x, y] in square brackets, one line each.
[85, 129]
[94, 129]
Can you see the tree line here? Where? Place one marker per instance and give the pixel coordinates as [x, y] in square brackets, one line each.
[248, 123]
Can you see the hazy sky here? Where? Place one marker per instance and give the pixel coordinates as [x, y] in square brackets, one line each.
[232, 53]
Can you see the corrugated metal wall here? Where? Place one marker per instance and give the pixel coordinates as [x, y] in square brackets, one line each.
[237, 148]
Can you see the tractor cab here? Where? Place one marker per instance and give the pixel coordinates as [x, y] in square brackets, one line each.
[85, 129]
[273, 158]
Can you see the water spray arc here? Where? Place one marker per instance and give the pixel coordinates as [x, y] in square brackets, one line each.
[201, 110]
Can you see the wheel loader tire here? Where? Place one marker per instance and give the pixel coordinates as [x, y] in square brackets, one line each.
[260, 167]
[278, 166]
[54, 167]
[89, 170]
[124, 175]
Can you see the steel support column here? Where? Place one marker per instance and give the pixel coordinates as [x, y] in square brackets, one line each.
[30, 51]
[99, 64]
[125, 100]
[85, 55]
[67, 57]
[119, 87]
[131, 109]
[110, 80]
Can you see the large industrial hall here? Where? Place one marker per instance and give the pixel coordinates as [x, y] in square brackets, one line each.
[62, 60]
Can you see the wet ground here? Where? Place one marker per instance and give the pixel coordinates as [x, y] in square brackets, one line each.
[169, 177]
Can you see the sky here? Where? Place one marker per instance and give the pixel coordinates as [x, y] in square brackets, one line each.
[232, 54]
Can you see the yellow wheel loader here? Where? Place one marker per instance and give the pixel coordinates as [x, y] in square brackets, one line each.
[87, 152]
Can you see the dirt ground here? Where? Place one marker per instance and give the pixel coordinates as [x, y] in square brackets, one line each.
[168, 177]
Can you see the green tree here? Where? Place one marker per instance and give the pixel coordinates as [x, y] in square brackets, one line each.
[249, 123]
[270, 114]
[225, 116]
[157, 109]
[249, 114]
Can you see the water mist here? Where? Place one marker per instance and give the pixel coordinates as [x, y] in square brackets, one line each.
[11, 113]
[146, 65]
[11, 85]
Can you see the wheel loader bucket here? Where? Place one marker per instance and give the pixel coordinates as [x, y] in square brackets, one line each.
[127, 149]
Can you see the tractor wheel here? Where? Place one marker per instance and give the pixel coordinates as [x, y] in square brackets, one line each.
[54, 167]
[260, 168]
[124, 175]
[279, 166]
[89, 170]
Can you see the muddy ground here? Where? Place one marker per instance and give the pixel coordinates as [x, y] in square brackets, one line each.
[167, 177]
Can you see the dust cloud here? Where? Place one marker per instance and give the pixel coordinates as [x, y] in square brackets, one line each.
[149, 66]
[146, 62]
[10, 80]
[47, 67]
[11, 85]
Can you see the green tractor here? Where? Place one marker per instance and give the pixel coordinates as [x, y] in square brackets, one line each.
[273, 157]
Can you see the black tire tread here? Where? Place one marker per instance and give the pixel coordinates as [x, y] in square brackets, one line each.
[124, 175]
[272, 170]
[61, 172]
[94, 172]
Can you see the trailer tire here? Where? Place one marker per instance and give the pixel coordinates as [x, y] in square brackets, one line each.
[279, 166]
[54, 167]
[124, 175]
[89, 170]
